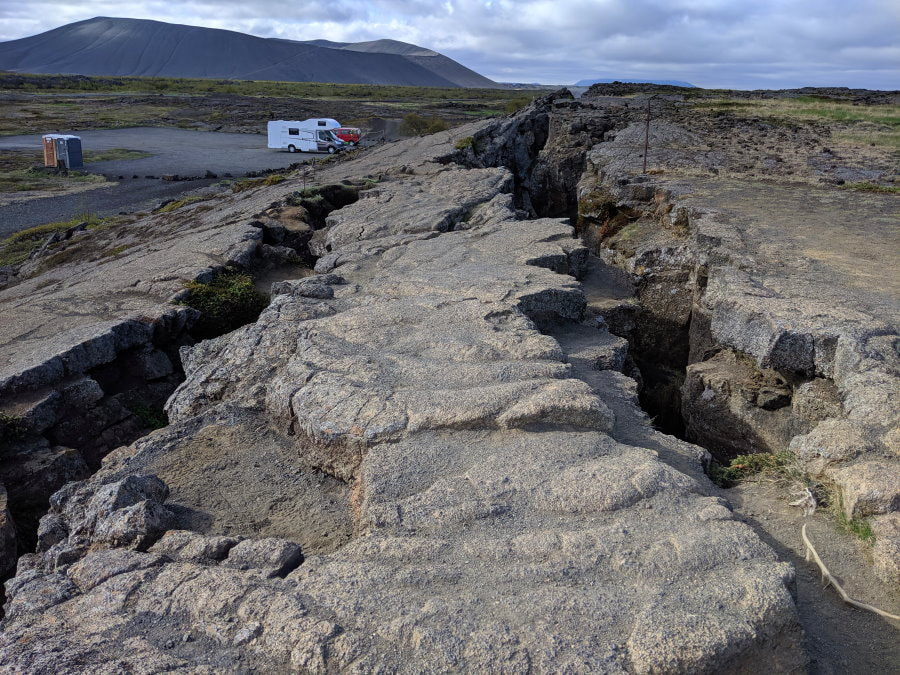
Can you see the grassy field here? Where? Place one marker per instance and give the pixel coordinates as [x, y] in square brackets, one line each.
[20, 170]
[874, 125]
[320, 90]
[46, 103]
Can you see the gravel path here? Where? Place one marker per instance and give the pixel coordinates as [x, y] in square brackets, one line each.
[175, 151]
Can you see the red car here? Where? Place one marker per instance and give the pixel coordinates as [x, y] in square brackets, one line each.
[350, 135]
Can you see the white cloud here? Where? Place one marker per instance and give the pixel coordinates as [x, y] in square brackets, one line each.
[773, 43]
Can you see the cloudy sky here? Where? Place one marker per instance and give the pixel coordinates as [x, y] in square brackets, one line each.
[712, 43]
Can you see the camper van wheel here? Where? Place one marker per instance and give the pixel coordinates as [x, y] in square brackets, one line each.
[330, 149]
[291, 148]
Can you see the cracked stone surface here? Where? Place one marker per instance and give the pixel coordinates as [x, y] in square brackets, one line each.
[500, 521]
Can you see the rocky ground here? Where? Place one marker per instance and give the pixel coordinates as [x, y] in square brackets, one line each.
[430, 455]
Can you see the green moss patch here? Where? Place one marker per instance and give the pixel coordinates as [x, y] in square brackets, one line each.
[227, 302]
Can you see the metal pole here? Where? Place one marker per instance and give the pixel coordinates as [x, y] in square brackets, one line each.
[647, 135]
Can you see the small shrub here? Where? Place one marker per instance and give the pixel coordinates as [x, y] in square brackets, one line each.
[416, 125]
[743, 467]
[464, 143]
[514, 105]
[436, 125]
[227, 302]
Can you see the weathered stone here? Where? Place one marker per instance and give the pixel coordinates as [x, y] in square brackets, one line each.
[136, 526]
[7, 536]
[832, 442]
[499, 524]
[149, 364]
[816, 400]
[82, 393]
[272, 557]
[187, 546]
[868, 487]
[886, 551]
[95, 569]
[729, 409]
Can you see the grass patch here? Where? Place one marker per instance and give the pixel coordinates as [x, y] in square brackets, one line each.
[319, 90]
[114, 154]
[27, 180]
[776, 466]
[417, 125]
[227, 302]
[858, 527]
[871, 135]
[514, 105]
[808, 108]
[872, 187]
[249, 183]
[168, 207]
[464, 143]
[782, 468]
[17, 248]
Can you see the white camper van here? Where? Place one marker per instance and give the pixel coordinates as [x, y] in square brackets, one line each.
[312, 135]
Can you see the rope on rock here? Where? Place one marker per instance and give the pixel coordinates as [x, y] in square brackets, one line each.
[828, 578]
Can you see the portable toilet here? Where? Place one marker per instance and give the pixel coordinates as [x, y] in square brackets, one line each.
[49, 141]
[62, 150]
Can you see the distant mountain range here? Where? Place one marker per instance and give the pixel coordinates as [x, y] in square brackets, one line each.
[138, 47]
[671, 83]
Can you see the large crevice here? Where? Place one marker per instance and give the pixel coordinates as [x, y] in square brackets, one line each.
[61, 432]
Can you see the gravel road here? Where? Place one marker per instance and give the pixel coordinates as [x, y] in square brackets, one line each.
[175, 151]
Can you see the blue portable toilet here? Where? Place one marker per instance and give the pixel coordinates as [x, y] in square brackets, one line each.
[68, 148]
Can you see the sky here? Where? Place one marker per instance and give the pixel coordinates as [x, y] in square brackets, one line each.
[742, 44]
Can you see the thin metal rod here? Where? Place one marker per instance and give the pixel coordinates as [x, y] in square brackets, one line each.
[647, 135]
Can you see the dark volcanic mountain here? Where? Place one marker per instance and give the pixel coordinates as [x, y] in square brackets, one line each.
[138, 47]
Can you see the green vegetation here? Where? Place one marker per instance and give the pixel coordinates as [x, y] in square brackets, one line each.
[17, 248]
[113, 154]
[514, 105]
[26, 180]
[778, 465]
[225, 303]
[316, 90]
[464, 143]
[808, 108]
[248, 183]
[152, 417]
[100, 112]
[858, 527]
[872, 187]
[782, 468]
[178, 203]
[416, 125]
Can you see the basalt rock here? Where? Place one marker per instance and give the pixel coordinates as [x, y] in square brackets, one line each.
[495, 522]
[761, 288]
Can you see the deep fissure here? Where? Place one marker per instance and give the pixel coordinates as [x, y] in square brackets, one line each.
[117, 403]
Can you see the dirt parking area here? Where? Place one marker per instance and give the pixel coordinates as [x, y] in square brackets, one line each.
[138, 184]
[174, 151]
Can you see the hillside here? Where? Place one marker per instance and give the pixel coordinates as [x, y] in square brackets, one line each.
[138, 47]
